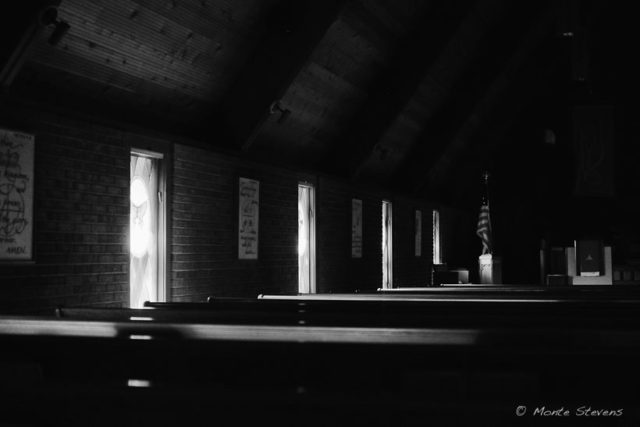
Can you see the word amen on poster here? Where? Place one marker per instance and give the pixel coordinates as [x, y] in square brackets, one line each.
[248, 216]
[16, 196]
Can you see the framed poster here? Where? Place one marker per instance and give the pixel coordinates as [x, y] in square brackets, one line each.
[418, 239]
[356, 228]
[248, 217]
[16, 196]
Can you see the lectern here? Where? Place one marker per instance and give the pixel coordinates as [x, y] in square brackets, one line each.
[490, 269]
[589, 264]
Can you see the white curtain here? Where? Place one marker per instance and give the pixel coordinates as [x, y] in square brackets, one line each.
[387, 249]
[304, 226]
[143, 231]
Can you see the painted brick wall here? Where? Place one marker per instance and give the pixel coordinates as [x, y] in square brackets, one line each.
[460, 226]
[410, 270]
[337, 271]
[205, 216]
[81, 219]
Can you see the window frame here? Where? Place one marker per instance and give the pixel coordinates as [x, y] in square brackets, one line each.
[163, 228]
[311, 241]
[387, 231]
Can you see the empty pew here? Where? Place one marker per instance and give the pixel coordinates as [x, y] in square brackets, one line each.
[172, 314]
[102, 372]
[429, 360]
[421, 311]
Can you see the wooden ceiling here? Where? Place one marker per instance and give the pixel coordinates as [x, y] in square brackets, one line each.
[409, 94]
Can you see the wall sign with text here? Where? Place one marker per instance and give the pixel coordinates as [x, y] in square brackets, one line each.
[248, 216]
[356, 228]
[418, 237]
[16, 196]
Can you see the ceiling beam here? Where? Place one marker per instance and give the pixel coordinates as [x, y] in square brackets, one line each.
[430, 60]
[435, 176]
[531, 85]
[293, 31]
[17, 37]
[440, 127]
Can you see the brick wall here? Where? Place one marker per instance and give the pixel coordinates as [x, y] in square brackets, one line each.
[337, 271]
[204, 252]
[459, 226]
[81, 219]
[410, 270]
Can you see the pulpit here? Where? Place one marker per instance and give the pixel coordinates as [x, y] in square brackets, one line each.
[490, 269]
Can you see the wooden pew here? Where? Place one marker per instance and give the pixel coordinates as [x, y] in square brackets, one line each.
[503, 291]
[429, 358]
[101, 372]
[420, 311]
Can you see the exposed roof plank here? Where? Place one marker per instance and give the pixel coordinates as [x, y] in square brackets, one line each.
[78, 48]
[212, 18]
[144, 36]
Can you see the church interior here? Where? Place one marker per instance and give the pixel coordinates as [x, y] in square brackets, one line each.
[319, 212]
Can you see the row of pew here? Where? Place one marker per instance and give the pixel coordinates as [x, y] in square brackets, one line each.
[432, 356]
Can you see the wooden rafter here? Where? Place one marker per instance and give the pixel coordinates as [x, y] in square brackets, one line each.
[293, 33]
[431, 60]
[18, 36]
[435, 176]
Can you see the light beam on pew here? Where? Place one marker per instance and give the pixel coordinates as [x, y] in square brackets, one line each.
[255, 333]
[48, 327]
[140, 337]
[141, 319]
[426, 298]
[138, 383]
[401, 298]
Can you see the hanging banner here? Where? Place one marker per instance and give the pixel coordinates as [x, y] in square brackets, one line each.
[248, 216]
[16, 196]
[418, 240]
[356, 228]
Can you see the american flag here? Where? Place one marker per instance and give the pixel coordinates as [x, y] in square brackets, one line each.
[484, 229]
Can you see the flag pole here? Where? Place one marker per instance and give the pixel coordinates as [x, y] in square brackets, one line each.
[489, 266]
[485, 176]
[484, 220]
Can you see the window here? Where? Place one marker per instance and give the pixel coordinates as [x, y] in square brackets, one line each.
[147, 229]
[387, 245]
[306, 239]
[437, 256]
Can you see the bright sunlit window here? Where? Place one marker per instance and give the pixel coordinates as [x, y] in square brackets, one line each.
[387, 245]
[437, 256]
[140, 224]
[146, 228]
[306, 239]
